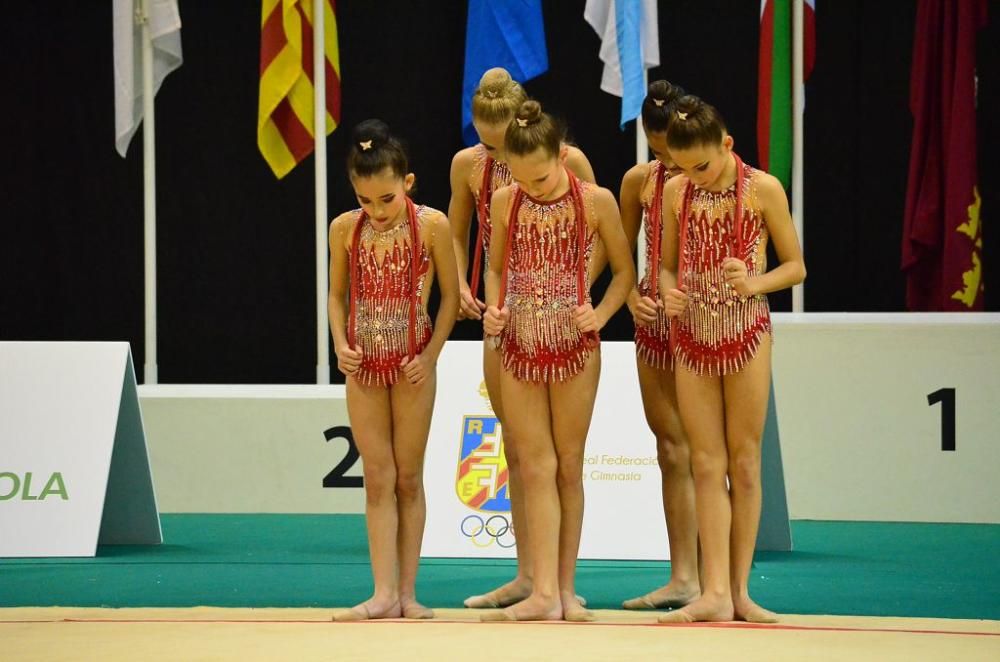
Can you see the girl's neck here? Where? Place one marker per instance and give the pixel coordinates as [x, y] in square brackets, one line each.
[727, 177]
[561, 189]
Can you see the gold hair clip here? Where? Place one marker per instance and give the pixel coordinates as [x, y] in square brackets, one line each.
[659, 102]
[365, 145]
[681, 116]
[522, 122]
[491, 94]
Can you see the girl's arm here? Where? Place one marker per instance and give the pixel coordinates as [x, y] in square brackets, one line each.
[495, 319]
[609, 226]
[348, 358]
[580, 166]
[791, 269]
[631, 206]
[674, 299]
[643, 310]
[447, 277]
[461, 207]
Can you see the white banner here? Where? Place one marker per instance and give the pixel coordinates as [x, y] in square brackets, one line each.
[468, 508]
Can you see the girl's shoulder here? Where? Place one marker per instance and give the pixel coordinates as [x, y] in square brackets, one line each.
[345, 221]
[636, 175]
[597, 193]
[575, 154]
[765, 181]
[466, 158]
[502, 196]
[428, 215]
[765, 189]
[342, 228]
[598, 201]
[675, 185]
[430, 221]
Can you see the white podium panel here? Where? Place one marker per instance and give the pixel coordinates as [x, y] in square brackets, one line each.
[468, 507]
[890, 417]
[72, 450]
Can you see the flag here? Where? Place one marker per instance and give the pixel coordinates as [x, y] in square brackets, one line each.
[165, 33]
[774, 83]
[942, 232]
[501, 33]
[285, 126]
[630, 44]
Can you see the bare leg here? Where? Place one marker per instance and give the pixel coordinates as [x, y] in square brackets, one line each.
[520, 587]
[411, 422]
[702, 411]
[370, 412]
[572, 406]
[528, 417]
[746, 394]
[659, 400]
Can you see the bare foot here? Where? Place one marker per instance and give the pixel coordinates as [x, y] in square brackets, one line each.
[369, 610]
[530, 609]
[573, 608]
[672, 596]
[747, 610]
[510, 593]
[703, 609]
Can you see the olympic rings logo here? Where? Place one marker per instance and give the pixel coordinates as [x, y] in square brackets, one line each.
[495, 529]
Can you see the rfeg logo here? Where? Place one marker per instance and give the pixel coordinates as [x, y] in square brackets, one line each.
[481, 482]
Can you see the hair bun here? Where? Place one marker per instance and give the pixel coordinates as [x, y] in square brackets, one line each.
[529, 113]
[662, 90]
[370, 134]
[495, 83]
[688, 103]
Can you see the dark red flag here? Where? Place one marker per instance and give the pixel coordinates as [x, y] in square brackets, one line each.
[942, 232]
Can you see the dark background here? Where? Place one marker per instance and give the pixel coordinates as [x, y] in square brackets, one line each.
[236, 282]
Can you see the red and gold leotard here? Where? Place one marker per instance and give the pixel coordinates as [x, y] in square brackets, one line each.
[388, 316]
[651, 342]
[720, 331]
[487, 175]
[544, 279]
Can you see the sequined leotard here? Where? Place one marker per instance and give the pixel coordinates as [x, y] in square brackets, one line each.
[651, 342]
[544, 279]
[487, 175]
[387, 316]
[720, 331]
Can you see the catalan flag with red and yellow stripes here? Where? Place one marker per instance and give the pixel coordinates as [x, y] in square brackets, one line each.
[285, 126]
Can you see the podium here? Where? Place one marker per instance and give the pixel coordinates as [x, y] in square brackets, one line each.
[74, 466]
[466, 479]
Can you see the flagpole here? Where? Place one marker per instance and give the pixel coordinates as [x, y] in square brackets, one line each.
[319, 146]
[149, 373]
[798, 108]
[641, 156]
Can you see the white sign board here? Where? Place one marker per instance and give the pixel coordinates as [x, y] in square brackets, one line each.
[73, 460]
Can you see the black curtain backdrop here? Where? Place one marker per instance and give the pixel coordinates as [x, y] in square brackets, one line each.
[236, 275]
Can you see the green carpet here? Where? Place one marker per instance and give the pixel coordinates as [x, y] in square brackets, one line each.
[860, 568]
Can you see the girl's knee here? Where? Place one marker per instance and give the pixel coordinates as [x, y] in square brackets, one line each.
[672, 455]
[706, 465]
[380, 482]
[539, 470]
[744, 470]
[570, 474]
[409, 485]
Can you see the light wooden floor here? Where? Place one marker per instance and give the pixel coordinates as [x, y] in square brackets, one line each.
[204, 633]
